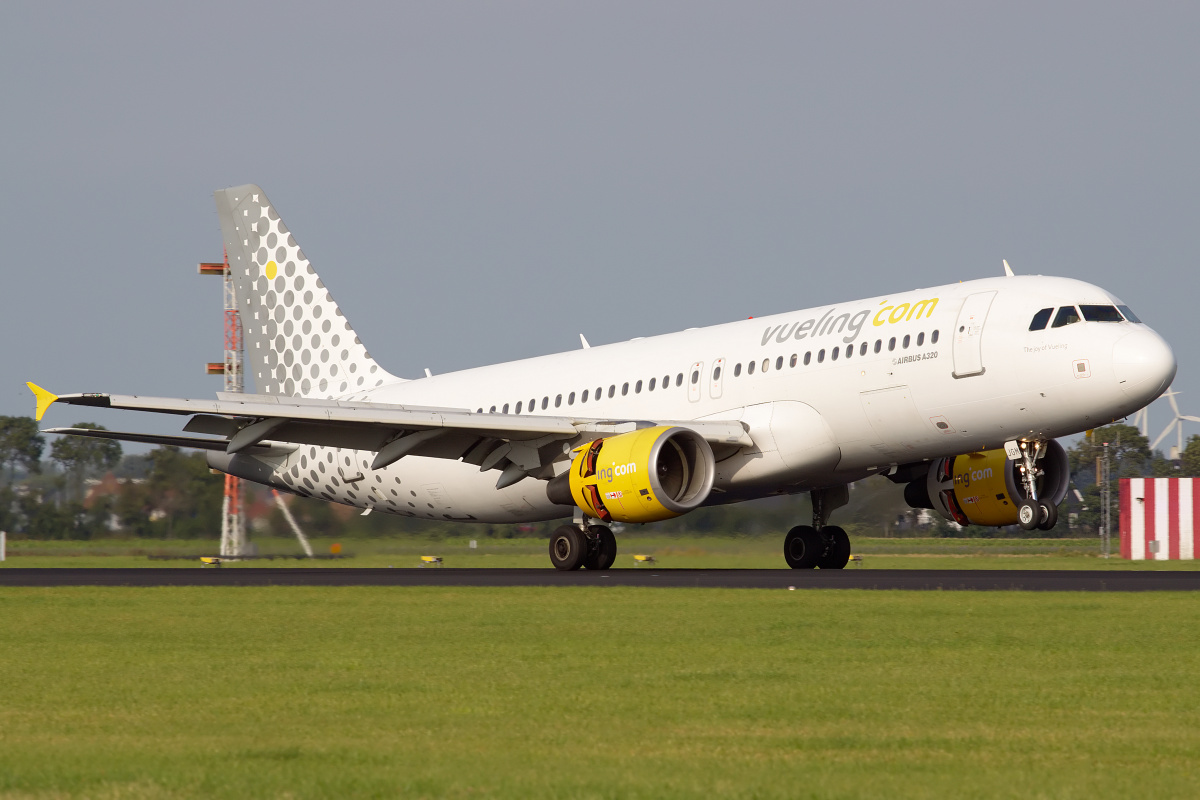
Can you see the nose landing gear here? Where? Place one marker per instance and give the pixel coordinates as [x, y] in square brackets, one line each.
[1034, 513]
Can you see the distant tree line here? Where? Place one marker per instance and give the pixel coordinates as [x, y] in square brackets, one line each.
[168, 493]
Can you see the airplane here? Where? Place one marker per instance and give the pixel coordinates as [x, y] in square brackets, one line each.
[958, 392]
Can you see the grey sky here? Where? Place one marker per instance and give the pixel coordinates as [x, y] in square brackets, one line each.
[483, 182]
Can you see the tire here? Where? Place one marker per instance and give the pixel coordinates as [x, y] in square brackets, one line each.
[1028, 515]
[1048, 517]
[604, 552]
[802, 547]
[568, 548]
[837, 549]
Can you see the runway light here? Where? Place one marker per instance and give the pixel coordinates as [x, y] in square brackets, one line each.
[431, 561]
[639, 560]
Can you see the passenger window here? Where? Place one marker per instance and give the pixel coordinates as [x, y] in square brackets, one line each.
[933, 337]
[750, 368]
[808, 358]
[599, 392]
[624, 388]
[891, 344]
[793, 361]
[737, 369]
[878, 345]
[920, 338]
[558, 401]
[679, 379]
[492, 410]
[571, 399]
[518, 407]
[1129, 315]
[583, 398]
[532, 405]
[834, 354]
[695, 376]
[545, 403]
[1040, 319]
[717, 374]
[637, 388]
[766, 365]
[820, 356]
[505, 409]
[612, 389]
[862, 350]
[1101, 314]
[849, 350]
[907, 339]
[479, 411]
[652, 382]
[1065, 316]
[666, 384]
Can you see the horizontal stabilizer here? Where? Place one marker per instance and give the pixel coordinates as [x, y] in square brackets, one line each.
[194, 442]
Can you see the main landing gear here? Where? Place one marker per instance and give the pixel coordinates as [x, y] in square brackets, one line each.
[581, 545]
[819, 545]
[1034, 513]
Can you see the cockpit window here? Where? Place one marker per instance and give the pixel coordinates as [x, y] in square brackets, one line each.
[1101, 314]
[1040, 319]
[1129, 315]
[1065, 316]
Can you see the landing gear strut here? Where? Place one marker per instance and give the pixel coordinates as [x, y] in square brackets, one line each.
[819, 545]
[1034, 513]
[582, 545]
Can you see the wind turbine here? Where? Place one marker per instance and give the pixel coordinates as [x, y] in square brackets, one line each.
[1141, 421]
[1176, 424]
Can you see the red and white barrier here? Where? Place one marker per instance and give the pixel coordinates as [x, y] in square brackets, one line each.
[1159, 518]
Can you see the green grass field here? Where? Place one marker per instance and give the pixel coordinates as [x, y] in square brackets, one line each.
[299, 692]
[757, 552]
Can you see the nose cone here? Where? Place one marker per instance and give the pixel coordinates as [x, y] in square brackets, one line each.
[1144, 365]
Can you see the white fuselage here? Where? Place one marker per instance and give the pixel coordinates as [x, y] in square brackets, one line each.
[932, 381]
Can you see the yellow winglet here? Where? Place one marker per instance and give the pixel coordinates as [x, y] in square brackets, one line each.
[44, 399]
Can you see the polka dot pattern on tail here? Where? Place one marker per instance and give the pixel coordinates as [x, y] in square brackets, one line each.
[279, 295]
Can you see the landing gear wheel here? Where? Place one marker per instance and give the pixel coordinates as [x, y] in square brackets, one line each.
[1028, 515]
[568, 547]
[603, 550]
[1048, 515]
[802, 547]
[837, 548]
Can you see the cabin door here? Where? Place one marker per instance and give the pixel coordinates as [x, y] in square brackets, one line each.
[968, 334]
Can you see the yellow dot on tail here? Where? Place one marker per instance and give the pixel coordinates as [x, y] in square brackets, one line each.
[271, 270]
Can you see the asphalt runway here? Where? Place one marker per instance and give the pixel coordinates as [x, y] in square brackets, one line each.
[916, 580]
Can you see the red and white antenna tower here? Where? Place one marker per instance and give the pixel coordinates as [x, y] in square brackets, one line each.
[233, 523]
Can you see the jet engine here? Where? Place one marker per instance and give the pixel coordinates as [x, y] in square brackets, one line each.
[986, 488]
[641, 476]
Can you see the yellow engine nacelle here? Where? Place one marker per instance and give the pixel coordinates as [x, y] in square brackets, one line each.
[642, 476]
[985, 488]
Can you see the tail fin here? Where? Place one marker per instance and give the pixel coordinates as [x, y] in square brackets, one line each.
[298, 342]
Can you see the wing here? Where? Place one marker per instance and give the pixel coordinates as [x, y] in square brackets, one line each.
[518, 445]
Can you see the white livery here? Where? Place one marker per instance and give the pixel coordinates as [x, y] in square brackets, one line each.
[958, 391]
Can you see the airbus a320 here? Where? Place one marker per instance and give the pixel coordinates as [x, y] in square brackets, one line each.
[958, 392]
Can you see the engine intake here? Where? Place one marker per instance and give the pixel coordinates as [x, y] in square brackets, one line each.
[642, 476]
